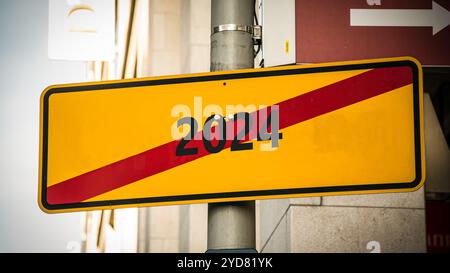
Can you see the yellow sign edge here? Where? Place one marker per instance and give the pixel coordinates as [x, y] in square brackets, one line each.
[247, 198]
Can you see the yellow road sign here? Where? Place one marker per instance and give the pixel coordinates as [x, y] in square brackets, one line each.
[309, 130]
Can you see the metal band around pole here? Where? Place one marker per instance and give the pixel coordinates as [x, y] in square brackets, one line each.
[233, 27]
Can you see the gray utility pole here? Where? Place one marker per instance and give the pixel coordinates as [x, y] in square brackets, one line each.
[231, 225]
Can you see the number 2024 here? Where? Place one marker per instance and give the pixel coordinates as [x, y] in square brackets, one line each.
[238, 139]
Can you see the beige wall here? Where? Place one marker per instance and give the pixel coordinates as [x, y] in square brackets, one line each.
[393, 222]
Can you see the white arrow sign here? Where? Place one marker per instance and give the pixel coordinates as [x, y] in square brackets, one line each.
[438, 17]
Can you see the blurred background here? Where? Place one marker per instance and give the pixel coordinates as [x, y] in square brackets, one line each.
[42, 45]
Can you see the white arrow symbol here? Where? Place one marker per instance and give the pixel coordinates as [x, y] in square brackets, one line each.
[438, 17]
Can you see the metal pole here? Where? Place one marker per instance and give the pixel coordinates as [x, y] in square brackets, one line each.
[231, 49]
[231, 225]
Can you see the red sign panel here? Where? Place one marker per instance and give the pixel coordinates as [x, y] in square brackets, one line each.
[438, 226]
[330, 30]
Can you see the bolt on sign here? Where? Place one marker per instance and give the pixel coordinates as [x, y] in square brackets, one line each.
[312, 130]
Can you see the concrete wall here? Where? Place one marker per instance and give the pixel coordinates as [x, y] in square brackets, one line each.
[437, 152]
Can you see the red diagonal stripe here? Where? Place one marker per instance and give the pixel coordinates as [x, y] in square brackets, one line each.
[292, 111]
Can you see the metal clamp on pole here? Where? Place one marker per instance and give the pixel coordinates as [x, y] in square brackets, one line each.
[255, 30]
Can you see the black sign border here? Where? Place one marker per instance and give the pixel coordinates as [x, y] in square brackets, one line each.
[225, 195]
